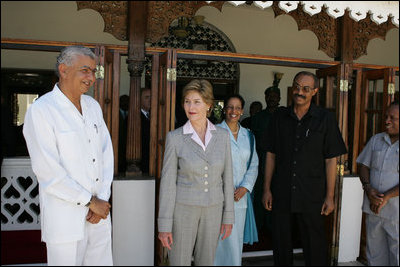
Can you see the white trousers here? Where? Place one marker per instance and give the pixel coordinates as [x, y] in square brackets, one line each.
[93, 250]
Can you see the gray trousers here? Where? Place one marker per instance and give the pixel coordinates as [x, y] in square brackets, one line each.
[195, 232]
[382, 241]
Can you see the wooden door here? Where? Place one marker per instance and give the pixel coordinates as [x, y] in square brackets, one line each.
[106, 92]
[377, 92]
[164, 115]
[333, 95]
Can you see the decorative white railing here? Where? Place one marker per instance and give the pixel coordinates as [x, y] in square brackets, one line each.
[19, 196]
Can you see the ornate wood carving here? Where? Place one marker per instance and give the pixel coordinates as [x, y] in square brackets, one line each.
[366, 30]
[114, 14]
[135, 67]
[162, 13]
[321, 24]
[325, 28]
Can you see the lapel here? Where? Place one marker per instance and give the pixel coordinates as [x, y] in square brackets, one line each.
[213, 143]
[187, 138]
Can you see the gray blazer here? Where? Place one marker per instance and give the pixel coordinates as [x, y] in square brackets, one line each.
[192, 176]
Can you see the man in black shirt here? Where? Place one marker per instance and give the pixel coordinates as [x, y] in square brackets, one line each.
[303, 142]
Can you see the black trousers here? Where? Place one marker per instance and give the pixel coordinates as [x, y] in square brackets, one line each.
[313, 237]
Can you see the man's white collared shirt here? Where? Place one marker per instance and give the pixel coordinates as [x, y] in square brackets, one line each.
[72, 157]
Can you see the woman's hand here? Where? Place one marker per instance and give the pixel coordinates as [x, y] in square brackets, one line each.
[226, 230]
[239, 193]
[166, 239]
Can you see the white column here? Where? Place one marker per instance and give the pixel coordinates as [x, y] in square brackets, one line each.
[133, 205]
[350, 219]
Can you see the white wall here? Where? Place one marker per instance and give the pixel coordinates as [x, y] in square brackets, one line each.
[250, 29]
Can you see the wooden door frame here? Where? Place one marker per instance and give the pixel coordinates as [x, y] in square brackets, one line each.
[388, 76]
[341, 73]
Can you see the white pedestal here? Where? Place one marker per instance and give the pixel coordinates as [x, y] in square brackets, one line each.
[133, 205]
[350, 219]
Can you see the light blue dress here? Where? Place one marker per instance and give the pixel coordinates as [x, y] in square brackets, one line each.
[245, 170]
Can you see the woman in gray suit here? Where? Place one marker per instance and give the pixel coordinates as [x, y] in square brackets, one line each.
[196, 190]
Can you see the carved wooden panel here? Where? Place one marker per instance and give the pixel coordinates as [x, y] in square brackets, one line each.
[366, 30]
[160, 16]
[114, 14]
[321, 24]
[325, 28]
[162, 13]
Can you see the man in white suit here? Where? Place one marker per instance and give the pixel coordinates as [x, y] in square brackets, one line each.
[72, 157]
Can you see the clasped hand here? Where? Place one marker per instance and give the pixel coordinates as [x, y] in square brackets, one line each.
[239, 193]
[377, 200]
[98, 209]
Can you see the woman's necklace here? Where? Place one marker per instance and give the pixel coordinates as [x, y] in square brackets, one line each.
[237, 130]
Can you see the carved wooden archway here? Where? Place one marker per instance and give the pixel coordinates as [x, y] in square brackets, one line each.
[162, 13]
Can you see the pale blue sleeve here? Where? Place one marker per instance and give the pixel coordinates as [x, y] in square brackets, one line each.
[250, 176]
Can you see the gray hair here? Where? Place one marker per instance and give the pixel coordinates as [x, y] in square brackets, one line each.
[69, 54]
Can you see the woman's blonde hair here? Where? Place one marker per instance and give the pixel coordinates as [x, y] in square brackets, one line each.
[205, 90]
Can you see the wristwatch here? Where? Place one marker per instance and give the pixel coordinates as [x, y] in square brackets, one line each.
[90, 201]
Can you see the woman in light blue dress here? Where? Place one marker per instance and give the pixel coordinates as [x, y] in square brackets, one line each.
[245, 170]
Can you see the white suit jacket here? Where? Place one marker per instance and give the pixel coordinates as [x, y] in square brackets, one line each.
[72, 158]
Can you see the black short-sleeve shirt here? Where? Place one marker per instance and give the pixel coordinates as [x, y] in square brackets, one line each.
[300, 148]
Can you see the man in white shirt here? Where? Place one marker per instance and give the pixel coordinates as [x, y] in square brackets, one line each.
[72, 157]
[379, 174]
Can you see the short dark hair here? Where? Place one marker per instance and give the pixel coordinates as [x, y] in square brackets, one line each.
[272, 89]
[307, 73]
[234, 96]
[256, 103]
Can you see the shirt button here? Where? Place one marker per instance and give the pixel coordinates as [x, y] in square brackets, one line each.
[206, 190]
[206, 183]
[206, 175]
[206, 168]
[295, 149]
[298, 124]
[294, 175]
[294, 162]
[78, 203]
[97, 179]
[94, 160]
[294, 187]
[297, 136]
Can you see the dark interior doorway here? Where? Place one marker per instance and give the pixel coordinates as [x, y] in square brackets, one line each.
[19, 88]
